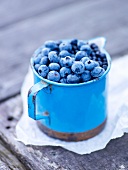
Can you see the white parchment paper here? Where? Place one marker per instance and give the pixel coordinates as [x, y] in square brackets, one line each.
[117, 122]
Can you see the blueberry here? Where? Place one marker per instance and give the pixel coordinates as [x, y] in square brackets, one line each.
[73, 52]
[45, 51]
[86, 48]
[73, 56]
[63, 80]
[53, 76]
[96, 63]
[86, 76]
[96, 49]
[58, 42]
[90, 57]
[93, 45]
[37, 59]
[74, 42]
[53, 57]
[61, 62]
[43, 70]
[64, 71]
[57, 51]
[98, 59]
[100, 63]
[94, 58]
[36, 66]
[102, 55]
[64, 53]
[78, 67]
[92, 53]
[80, 54]
[105, 63]
[74, 49]
[97, 72]
[50, 44]
[44, 61]
[54, 66]
[97, 53]
[38, 51]
[65, 46]
[90, 64]
[73, 78]
[66, 62]
[84, 59]
[104, 59]
[80, 43]
[104, 66]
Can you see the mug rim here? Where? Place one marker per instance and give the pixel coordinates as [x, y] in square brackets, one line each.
[76, 84]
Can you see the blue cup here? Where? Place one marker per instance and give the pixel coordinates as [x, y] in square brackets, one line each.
[71, 112]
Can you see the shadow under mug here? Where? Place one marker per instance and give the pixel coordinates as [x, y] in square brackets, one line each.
[71, 112]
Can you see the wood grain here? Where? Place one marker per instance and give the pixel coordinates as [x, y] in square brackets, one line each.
[8, 161]
[17, 11]
[81, 19]
[57, 158]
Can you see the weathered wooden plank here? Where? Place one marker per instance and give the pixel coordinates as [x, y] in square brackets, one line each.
[3, 166]
[16, 11]
[8, 161]
[47, 158]
[83, 19]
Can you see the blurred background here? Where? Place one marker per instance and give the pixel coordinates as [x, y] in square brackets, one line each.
[26, 24]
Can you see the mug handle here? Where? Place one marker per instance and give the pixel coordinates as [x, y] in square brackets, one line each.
[32, 94]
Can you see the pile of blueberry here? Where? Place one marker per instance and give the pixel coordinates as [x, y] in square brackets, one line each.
[73, 61]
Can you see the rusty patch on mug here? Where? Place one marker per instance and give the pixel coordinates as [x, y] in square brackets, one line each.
[46, 113]
[34, 97]
[72, 136]
[48, 89]
[30, 90]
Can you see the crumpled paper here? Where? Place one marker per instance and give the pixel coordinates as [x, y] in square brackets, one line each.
[28, 132]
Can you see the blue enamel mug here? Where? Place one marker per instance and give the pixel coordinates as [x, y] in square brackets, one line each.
[71, 112]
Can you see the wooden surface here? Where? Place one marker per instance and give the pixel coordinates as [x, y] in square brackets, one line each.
[8, 160]
[81, 19]
[57, 158]
[25, 25]
[18, 11]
